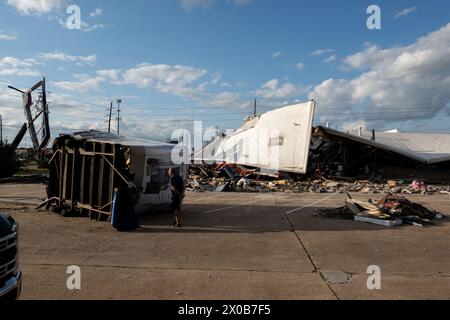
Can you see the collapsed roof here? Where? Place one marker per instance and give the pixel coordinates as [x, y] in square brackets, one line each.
[428, 148]
[277, 140]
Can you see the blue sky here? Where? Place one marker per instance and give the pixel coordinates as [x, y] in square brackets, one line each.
[174, 61]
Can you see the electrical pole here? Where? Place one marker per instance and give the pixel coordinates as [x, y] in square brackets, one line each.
[109, 118]
[254, 110]
[119, 101]
[1, 130]
[45, 118]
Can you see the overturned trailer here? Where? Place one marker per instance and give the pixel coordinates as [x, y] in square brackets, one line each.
[88, 168]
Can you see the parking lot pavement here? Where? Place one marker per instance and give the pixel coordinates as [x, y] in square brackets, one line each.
[414, 262]
[28, 194]
[235, 246]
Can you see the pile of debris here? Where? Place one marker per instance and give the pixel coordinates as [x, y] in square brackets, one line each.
[389, 211]
[237, 178]
[405, 186]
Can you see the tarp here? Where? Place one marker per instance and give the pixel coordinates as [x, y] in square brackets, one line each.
[428, 148]
[277, 140]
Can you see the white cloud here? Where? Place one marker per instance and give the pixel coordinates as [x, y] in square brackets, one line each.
[189, 5]
[241, 2]
[277, 54]
[216, 80]
[223, 99]
[368, 57]
[86, 27]
[182, 81]
[273, 90]
[330, 59]
[110, 74]
[83, 84]
[178, 80]
[10, 66]
[61, 56]
[405, 12]
[300, 66]
[320, 52]
[4, 36]
[192, 4]
[97, 12]
[25, 72]
[162, 75]
[28, 7]
[409, 82]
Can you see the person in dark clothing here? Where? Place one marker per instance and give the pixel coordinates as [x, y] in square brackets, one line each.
[178, 193]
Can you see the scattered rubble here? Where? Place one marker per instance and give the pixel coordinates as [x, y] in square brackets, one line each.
[238, 178]
[391, 210]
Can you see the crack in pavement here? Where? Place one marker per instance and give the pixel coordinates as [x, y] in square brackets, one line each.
[297, 235]
[163, 268]
[225, 270]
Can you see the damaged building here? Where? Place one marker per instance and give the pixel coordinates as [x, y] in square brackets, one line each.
[281, 151]
[376, 155]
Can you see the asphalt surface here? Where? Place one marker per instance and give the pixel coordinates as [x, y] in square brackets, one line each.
[233, 246]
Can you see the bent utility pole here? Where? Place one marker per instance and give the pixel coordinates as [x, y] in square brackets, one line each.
[35, 110]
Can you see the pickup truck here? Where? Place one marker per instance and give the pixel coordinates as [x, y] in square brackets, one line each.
[10, 275]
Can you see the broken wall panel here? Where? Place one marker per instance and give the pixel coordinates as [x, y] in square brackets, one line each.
[277, 140]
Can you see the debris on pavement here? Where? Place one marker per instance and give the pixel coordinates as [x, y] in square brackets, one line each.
[381, 222]
[391, 210]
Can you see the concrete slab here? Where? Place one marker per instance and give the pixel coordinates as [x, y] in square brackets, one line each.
[233, 246]
[248, 240]
[28, 194]
[142, 283]
[396, 287]
[352, 246]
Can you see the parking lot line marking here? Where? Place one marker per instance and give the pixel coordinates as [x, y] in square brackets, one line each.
[311, 204]
[194, 201]
[229, 207]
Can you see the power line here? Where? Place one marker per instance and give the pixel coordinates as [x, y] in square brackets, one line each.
[151, 109]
